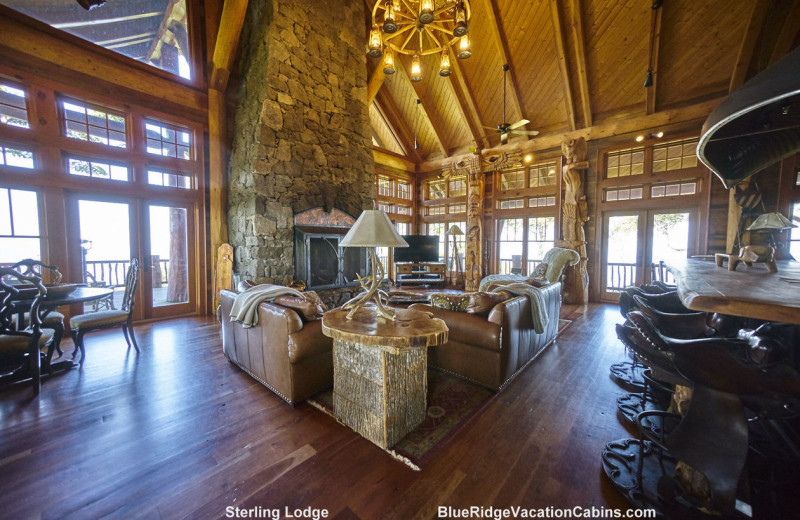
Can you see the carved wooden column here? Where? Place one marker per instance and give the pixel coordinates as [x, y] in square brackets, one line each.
[473, 266]
[574, 213]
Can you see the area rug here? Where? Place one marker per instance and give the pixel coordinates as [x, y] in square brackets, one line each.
[452, 402]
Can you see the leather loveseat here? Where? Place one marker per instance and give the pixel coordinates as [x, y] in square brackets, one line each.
[490, 350]
[283, 352]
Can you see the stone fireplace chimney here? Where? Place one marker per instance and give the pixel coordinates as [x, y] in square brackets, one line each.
[302, 130]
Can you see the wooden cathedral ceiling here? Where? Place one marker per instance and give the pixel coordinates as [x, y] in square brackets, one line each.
[576, 64]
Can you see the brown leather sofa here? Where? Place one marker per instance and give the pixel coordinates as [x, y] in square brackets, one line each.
[291, 358]
[491, 350]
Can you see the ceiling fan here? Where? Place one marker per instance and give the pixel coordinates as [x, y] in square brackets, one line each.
[505, 128]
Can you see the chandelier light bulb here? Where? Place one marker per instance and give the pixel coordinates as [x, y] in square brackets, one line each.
[416, 68]
[375, 43]
[388, 61]
[463, 48]
[389, 25]
[426, 11]
[444, 65]
[460, 20]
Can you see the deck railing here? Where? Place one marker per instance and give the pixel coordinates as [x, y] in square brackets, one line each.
[112, 272]
[506, 264]
[620, 276]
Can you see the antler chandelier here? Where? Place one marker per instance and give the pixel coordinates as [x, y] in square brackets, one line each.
[418, 28]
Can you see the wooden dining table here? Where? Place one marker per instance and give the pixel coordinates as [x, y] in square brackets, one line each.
[748, 292]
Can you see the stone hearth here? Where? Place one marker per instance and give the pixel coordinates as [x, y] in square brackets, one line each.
[302, 135]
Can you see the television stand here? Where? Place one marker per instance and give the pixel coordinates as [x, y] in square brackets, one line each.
[427, 273]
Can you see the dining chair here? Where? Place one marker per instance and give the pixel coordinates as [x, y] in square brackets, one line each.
[83, 323]
[52, 319]
[20, 348]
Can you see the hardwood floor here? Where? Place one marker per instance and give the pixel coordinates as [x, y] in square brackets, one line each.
[178, 432]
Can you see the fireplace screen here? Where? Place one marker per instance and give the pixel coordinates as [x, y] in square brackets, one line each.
[321, 263]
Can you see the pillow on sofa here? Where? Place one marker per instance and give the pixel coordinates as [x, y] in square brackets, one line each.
[309, 306]
[539, 272]
[450, 301]
[481, 303]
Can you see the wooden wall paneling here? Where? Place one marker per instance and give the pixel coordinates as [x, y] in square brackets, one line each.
[714, 31]
[749, 39]
[576, 36]
[403, 101]
[616, 44]
[384, 132]
[788, 33]
[467, 102]
[653, 46]
[398, 124]
[425, 114]
[498, 38]
[475, 132]
[558, 32]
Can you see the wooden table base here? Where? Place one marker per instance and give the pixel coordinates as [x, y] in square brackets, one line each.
[379, 394]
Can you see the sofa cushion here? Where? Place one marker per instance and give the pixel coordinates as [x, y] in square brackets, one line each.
[539, 272]
[308, 306]
[481, 303]
[450, 301]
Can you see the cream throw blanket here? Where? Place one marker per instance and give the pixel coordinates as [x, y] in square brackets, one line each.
[245, 306]
[538, 308]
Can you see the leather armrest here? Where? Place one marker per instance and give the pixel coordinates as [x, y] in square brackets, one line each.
[308, 342]
[467, 328]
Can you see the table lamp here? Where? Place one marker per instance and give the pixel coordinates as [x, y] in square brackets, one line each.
[372, 229]
[770, 223]
[454, 230]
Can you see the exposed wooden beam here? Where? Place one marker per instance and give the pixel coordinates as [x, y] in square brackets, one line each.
[576, 28]
[468, 101]
[791, 26]
[660, 119]
[558, 31]
[502, 48]
[655, 38]
[391, 129]
[375, 83]
[748, 45]
[392, 160]
[230, 27]
[425, 112]
[397, 124]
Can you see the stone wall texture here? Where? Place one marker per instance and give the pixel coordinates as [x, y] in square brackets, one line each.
[302, 129]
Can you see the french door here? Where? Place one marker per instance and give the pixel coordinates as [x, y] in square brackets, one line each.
[107, 232]
[635, 243]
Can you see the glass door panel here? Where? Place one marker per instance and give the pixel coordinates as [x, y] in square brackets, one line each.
[621, 245]
[168, 273]
[670, 241]
[105, 239]
[19, 226]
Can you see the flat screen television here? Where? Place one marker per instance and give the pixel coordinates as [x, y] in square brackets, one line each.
[421, 248]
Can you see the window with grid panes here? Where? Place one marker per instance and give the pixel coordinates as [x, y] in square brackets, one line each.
[98, 169]
[385, 185]
[19, 225]
[673, 190]
[172, 180]
[13, 108]
[512, 180]
[437, 189]
[403, 209]
[457, 187]
[168, 140]
[91, 123]
[511, 204]
[542, 175]
[403, 190]
[457, 208]
[625, 163]
[629, 193]
[539, 202]
[438, 229]
[437, 210]
[541, 239]
[675, 155]
[16, 157]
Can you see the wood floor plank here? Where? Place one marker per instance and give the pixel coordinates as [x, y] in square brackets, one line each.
[178, 432]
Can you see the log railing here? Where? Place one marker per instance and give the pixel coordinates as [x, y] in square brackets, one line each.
[112, 272]
[620, 276]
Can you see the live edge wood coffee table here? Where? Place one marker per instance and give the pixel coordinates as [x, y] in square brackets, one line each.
[380, 378]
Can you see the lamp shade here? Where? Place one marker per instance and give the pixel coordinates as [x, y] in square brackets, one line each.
[774, 221]
[454, 230]
[373, 229]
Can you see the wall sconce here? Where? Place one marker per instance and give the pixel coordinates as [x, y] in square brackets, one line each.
[652, 135]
